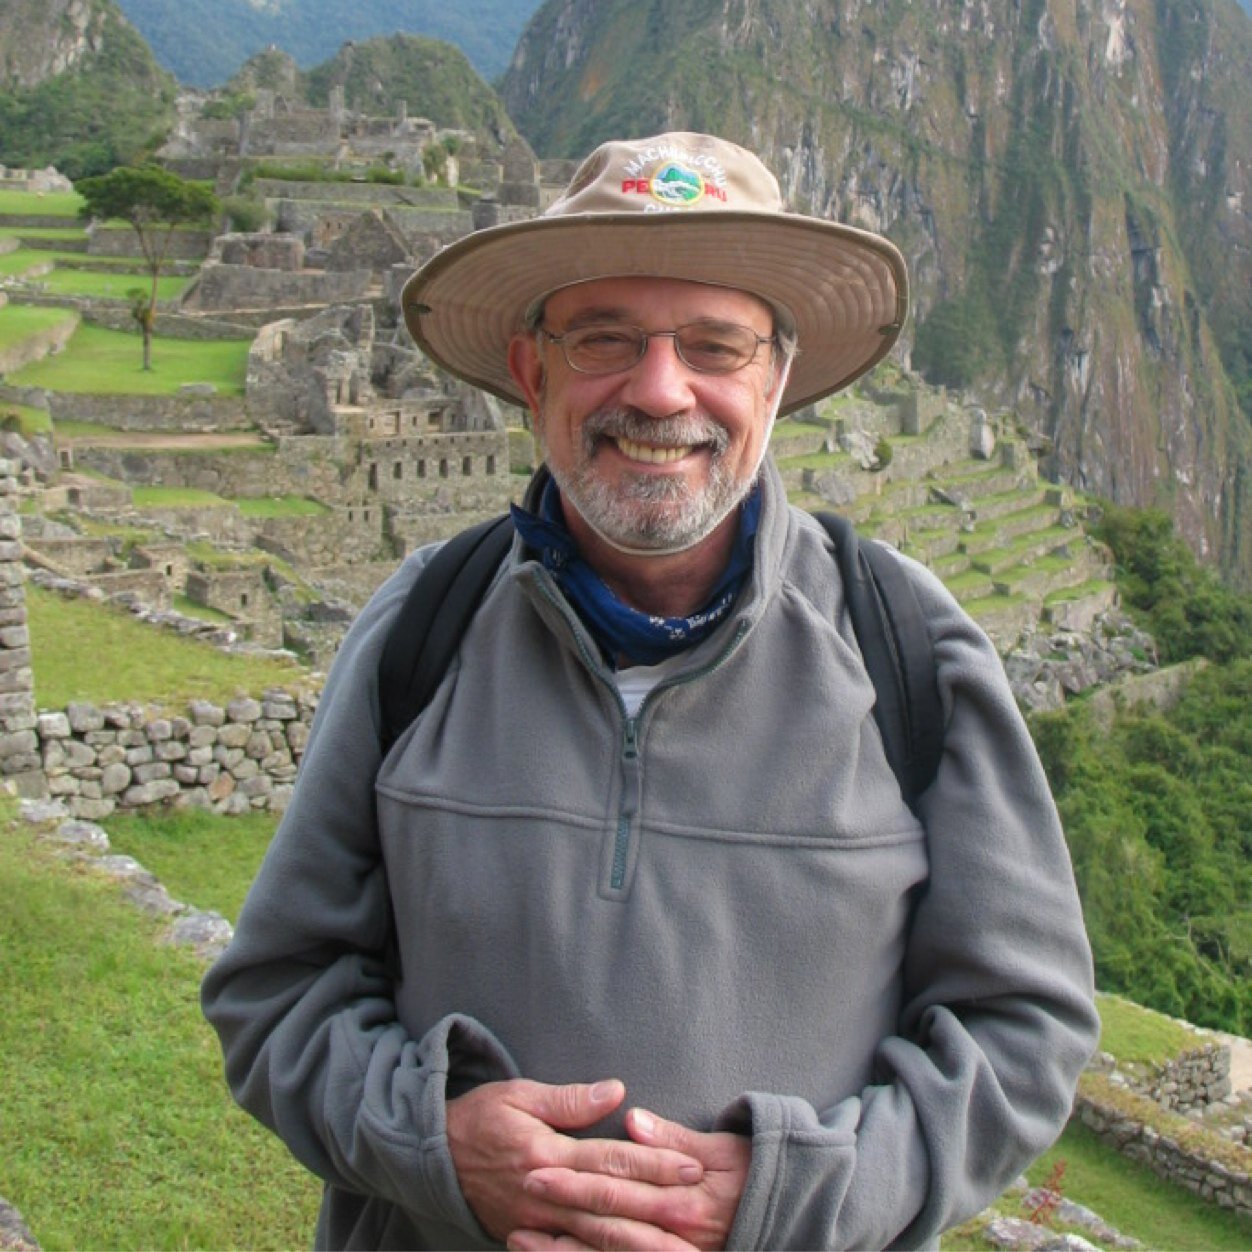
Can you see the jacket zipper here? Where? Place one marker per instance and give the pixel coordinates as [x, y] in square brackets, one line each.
[628, 807]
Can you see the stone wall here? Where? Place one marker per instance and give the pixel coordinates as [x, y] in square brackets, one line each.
[188, 411]
[367, 195]
[1196, 1079]
[19, 743]
[230, 758]
[348, 534]
[184, 245]
[1176, 1157]
[227, 287]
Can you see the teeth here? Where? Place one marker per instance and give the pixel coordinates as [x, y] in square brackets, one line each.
[650, 453]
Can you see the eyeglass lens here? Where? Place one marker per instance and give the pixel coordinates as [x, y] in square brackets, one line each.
[710, 348]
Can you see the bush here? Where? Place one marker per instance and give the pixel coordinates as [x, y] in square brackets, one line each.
[245, 213]
[1182, 603]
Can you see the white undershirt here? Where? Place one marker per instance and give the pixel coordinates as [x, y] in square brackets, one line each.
[635, 683]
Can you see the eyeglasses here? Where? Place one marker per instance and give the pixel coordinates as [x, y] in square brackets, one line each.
[706, 347]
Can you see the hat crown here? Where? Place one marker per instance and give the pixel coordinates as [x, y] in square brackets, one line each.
[679, 172]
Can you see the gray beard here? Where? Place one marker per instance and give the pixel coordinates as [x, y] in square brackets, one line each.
[646, 511]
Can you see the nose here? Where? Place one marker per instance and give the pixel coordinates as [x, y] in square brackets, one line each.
[659, 384]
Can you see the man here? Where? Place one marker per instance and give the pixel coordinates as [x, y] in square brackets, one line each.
[677, 964]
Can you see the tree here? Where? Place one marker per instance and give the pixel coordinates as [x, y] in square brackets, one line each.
[155, 202]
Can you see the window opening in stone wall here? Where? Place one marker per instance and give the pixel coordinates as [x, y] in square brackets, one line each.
[243, 599]
[491, 465]
[421, 469]
[443, 467]
[467, 466]
[397, 470]
[373, 476]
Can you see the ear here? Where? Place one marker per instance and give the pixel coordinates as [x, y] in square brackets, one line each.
[526, 367]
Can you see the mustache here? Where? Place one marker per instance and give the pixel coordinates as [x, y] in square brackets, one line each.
[674, 432]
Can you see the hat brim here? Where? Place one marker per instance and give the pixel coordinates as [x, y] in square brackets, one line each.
[846, 289]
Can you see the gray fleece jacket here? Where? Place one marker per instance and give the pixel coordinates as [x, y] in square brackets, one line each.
[723, 901]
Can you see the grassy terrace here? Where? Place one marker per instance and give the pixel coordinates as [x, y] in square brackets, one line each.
[103, 1025]
[87, 651]
[20, 321]
[52, 204]
[97, 360]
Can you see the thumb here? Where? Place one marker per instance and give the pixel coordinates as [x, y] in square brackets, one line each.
[575, 1105]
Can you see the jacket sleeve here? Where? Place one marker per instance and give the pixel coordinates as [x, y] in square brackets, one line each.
[998, 1017]
[302, 997]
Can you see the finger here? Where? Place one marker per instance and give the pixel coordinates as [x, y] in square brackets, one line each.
[647, 1128]
[673, 1208]
[538, 1241]
[571, 1106]
[622, 1234]
[619, 1158]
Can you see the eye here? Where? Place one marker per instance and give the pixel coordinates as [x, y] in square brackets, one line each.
[604, 338]
[716, 347]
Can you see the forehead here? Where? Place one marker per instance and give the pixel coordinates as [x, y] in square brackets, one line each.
[674, 301]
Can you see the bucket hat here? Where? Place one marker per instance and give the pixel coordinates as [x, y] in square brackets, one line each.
[677, 205]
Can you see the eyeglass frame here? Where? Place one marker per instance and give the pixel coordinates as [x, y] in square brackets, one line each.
[646, 336]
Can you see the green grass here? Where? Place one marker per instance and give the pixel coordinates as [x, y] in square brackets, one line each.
[83, 430]
[1132, 1198]
[52, 204]
[19, 321]
[189, 608]
[97, 360]
[18, 263]
[74, 282]
[175, 498]
[118, 1129]
[1135, 1034]
[200, 857]
[30, 421]
[95, 652]
[54, 233]
[1127, 1195]
[280, 506]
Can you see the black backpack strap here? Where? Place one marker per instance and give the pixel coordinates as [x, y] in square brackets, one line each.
[426, 633]
[898, 652]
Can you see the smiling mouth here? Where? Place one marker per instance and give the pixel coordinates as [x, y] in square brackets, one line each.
[652, 454]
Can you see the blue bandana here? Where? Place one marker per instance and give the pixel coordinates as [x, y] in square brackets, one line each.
[619, 629]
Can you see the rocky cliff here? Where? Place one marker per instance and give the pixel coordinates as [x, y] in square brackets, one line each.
[79, 88]
[1071, 181]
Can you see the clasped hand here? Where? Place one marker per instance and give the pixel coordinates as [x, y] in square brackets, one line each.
[534, 1187]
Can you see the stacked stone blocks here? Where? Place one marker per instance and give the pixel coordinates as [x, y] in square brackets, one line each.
[20, 762]
[230, 759]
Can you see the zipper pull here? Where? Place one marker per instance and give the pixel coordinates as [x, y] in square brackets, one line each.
[630, 745]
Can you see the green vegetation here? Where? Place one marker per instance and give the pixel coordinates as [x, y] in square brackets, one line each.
[113, 108]
[20, 321]
[118, 1129]
[97, 360]
[1136, 1035]
[154, 202]
[1184, 605]
[87, 651]
[280, 506]
[47, 204]
[97, 285]
[200, 857]
[1124, 1193]
[1158, 814]
[175, 498]
[24, 419]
